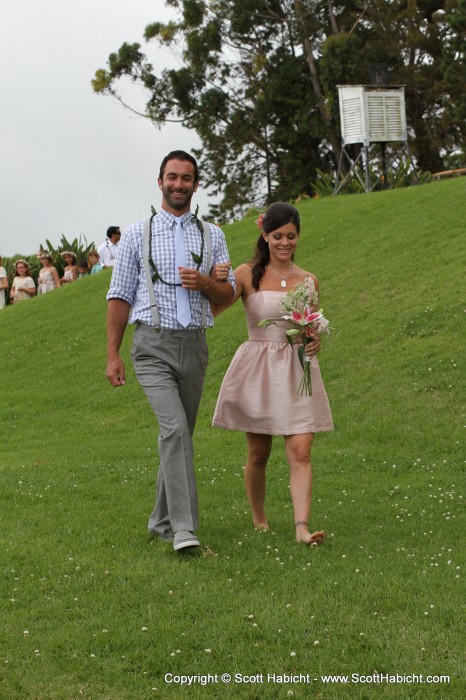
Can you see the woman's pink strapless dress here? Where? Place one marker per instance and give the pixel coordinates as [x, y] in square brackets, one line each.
[259, 393]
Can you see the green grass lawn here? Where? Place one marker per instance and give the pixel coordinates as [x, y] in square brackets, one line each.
[94, 609]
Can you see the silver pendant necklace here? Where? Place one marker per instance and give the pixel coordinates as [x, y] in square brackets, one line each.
[283, 279]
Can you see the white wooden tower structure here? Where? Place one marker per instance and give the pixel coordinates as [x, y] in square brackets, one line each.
[371, 116]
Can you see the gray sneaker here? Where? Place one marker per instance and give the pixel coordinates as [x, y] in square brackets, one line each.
[184, 539]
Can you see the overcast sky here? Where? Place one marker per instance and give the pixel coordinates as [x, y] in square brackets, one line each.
[73, 162]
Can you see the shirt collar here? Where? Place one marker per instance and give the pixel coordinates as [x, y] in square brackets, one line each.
[172, 220]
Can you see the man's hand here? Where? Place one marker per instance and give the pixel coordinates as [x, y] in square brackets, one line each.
[117, 319]
[214, 291]
[116, 371]
[193, 279]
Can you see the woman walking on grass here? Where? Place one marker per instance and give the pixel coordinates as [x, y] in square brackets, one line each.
[259, 394]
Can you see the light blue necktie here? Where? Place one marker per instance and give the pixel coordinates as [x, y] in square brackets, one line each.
[183, 312]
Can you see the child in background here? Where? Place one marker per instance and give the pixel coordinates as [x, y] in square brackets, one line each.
[23, 286]
[94, 263]
[83, 269]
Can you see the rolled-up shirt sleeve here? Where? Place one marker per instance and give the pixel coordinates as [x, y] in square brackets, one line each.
[126, 270]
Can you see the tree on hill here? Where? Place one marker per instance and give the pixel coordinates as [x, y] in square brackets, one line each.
[454, 75]
[258, 84]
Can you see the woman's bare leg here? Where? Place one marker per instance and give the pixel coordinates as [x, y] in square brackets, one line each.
[298, 452]
[259, 447]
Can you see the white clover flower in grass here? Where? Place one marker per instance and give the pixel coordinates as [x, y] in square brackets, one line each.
[208, 651]
[293, 653]
[143, 629]
[316, 643]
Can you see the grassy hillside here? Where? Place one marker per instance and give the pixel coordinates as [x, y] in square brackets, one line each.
[91, 608]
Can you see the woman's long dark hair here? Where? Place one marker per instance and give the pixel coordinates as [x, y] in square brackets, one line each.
[276, 216]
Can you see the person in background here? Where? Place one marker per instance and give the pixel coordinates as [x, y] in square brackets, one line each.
[48, 276]
[94, 262]
[23, 286]
[3, 285]
[70, 273]
[108, 250]
[83, 269]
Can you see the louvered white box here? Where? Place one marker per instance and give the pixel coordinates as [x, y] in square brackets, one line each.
[370, 114]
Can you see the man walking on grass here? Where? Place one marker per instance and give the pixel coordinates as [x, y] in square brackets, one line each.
[161, 282]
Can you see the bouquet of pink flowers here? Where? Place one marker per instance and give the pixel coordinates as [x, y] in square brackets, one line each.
[303, 322]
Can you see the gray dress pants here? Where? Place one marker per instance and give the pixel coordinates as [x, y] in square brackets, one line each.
[170, 366]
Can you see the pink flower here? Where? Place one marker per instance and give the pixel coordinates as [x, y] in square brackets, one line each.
[305, 317]
[260, 221]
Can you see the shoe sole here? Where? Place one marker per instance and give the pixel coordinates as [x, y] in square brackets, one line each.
[186, 544]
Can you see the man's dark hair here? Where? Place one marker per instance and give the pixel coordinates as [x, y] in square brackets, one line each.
[111, 230]
[180, 155]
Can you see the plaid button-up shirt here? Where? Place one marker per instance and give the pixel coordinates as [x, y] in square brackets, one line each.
[129, 280]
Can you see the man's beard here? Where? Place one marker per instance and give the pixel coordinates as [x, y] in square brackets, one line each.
[177, 203]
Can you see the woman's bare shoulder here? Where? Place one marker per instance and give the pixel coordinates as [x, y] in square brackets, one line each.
[243, 270]
[305, 274]
[243, 274]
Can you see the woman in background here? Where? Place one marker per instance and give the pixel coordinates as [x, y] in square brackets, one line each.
[70, 273]
[23, 286]
[48, 276]
[3, 285]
